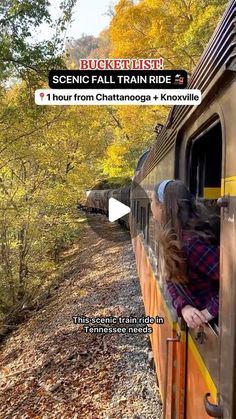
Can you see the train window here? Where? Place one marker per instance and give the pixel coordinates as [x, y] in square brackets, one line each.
[204, 163]
[204, 170]
[148, 223]
[143, 222]
[137, 212]
[151, 231]
[133, 206]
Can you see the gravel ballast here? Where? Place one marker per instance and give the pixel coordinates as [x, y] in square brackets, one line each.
[51, 368]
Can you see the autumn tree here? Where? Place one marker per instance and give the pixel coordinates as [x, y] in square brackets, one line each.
[27, 235]
[177, 30]
[133, 133]
[49, 156]
[19, 55]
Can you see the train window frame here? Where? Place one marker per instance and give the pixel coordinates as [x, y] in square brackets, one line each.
[143, 222]
[148, 222]
[202, 140]
[133, 208]
[141, 218]
[197, 139]
[137, 212]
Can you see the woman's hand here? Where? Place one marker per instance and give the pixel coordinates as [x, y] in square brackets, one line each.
[206, 313]
[193, 316]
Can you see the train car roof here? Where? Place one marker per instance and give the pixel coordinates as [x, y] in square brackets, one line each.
[218, 57]
[142, 160]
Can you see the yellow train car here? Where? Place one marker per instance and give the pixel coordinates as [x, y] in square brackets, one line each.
[196, 372]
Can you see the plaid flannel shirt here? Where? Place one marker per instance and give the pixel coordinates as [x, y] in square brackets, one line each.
[202, 289]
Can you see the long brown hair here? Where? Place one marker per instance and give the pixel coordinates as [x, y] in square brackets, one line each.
[180, 214]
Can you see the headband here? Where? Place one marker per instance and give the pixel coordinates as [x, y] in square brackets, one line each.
[161, 189]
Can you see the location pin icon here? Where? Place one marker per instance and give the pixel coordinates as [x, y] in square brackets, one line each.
[41, 95]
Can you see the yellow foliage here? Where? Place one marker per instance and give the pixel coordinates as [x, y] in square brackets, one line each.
[177, 30]
[50, 155]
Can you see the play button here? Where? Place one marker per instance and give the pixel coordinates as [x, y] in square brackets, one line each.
[128, 204]
[116, 209]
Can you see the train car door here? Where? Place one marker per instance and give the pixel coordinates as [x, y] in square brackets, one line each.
[204, 169]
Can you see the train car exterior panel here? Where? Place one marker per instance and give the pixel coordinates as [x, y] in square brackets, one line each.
[223, 107]
[227, 310]
[213, 120]
[198, 378]
[227, 104]
[168, 351]
[164, 170]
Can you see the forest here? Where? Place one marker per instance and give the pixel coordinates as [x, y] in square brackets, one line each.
[49, 156]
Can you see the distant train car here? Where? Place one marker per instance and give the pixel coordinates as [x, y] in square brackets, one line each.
[122, 195]
[97, 200]
[197, 374]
